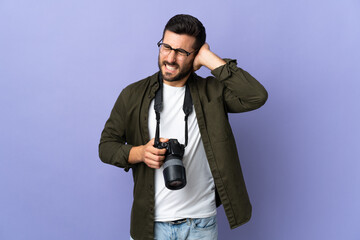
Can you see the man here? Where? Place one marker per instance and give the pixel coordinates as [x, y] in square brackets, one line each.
[213, 172]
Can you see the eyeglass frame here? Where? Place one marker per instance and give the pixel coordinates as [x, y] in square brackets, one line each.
[177, 50]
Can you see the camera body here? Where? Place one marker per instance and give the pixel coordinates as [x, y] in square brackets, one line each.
[174, 170]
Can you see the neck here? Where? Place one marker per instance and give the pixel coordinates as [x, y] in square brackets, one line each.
[179, 83]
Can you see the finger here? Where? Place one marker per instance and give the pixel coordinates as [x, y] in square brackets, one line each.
[164, 139]
[150, 165]
[153, 164]
[154, 157]
[156, 151]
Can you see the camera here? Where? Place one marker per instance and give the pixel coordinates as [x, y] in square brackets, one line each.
[174, 170]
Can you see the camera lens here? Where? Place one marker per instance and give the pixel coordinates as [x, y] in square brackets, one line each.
[174, 173]
[175, 183]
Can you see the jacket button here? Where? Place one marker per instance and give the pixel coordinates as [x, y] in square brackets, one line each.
[151, 186]
[151, 209]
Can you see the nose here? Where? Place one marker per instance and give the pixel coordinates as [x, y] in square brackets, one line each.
[171, 57]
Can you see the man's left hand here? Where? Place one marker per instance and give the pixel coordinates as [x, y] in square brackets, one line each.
[207, 58]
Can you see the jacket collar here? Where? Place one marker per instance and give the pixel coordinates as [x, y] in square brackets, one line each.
[154, 84]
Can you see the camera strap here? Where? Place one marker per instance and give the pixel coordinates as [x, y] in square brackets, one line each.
[187, 108]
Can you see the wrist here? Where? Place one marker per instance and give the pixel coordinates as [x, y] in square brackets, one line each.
[136, 154]
[211, 60]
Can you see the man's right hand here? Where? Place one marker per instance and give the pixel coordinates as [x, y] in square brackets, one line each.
[150, 155]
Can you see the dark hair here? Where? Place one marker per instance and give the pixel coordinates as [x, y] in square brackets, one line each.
[189, 25]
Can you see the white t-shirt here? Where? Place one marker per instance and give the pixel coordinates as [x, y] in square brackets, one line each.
[197, 198]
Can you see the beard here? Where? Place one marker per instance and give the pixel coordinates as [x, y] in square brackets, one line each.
[184, 71]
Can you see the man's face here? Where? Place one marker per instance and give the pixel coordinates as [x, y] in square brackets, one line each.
[174, 67]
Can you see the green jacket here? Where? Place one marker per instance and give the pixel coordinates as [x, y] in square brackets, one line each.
[232, 90]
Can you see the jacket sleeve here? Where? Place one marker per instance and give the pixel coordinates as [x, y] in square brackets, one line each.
[242, 92]
[113, 148]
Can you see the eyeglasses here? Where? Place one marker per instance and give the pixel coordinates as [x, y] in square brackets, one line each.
[166, 49]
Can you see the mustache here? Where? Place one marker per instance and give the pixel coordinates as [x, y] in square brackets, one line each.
[170, 64]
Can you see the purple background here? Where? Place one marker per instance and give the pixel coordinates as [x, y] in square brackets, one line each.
[63, 64]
